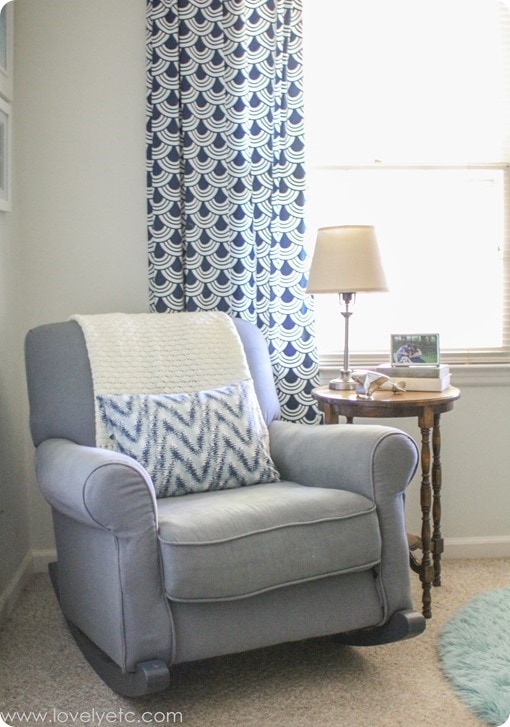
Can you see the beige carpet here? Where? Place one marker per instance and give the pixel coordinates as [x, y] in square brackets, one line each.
[315, 683]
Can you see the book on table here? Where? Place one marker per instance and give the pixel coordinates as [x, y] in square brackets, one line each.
[417, 384]
[418, 377]
[417, 371]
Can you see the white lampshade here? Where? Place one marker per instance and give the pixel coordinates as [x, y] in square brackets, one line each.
[346, 260]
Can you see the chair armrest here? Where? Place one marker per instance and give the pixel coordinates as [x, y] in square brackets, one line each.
[375, 461]
[96, 487]
[371, 460]
[109, 575]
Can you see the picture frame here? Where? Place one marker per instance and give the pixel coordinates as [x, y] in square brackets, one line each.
[5, 156]
[414, 349]
[6, 50]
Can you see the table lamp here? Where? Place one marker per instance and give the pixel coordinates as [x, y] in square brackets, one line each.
[346, 261]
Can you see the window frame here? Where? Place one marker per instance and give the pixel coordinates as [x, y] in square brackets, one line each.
[466, 356]
[479, 358]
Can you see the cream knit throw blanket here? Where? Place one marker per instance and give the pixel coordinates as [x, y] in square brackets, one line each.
[161, 353]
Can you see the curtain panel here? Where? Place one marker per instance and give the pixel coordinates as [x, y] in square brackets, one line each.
[225, 175]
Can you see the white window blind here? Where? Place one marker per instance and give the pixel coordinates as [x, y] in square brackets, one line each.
[407, 108]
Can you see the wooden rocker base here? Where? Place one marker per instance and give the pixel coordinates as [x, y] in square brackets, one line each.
[150, 676]
[401, 625]
[154, 676]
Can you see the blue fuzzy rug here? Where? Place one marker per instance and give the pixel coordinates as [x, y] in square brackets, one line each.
[474, 649]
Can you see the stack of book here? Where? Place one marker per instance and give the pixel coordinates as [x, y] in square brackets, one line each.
[418, 378]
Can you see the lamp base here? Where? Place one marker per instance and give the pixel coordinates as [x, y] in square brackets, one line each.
[343, 382]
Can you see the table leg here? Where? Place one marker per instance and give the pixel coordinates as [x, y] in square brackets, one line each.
[330, 415]
[437, 539]
[425, 422]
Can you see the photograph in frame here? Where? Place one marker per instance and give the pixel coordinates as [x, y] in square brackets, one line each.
[415, 349]
[5, 160]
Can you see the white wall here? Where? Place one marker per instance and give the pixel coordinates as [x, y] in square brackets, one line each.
[76, 239]
[80, 156]
[80, 166]
[14, 530]
[76, 242]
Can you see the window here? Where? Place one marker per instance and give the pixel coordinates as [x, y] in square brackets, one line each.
[407, 107]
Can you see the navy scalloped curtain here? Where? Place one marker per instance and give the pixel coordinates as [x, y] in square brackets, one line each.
[226, 175]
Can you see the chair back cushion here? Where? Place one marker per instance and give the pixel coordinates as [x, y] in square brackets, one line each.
[153, 353]
[60, 386]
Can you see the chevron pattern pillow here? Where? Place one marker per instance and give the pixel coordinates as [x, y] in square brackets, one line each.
[209, 440]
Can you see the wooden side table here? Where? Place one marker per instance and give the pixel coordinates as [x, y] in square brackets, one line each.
[428, 407]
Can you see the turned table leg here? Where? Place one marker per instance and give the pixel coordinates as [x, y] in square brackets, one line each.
[427, 407]
[437, 539]
[330, 413]
[425, 422]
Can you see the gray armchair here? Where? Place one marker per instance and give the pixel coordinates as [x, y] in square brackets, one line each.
[146, 581]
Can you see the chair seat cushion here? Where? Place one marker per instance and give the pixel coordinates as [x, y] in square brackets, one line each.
[231, 544]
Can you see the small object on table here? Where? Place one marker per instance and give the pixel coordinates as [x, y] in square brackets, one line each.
[369, 381]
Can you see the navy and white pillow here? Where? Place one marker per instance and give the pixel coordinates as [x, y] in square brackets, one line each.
[209, 440]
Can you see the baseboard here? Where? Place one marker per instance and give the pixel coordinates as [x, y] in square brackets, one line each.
[42, 558]
[490, 546]
[35, 561]
[19, 580]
